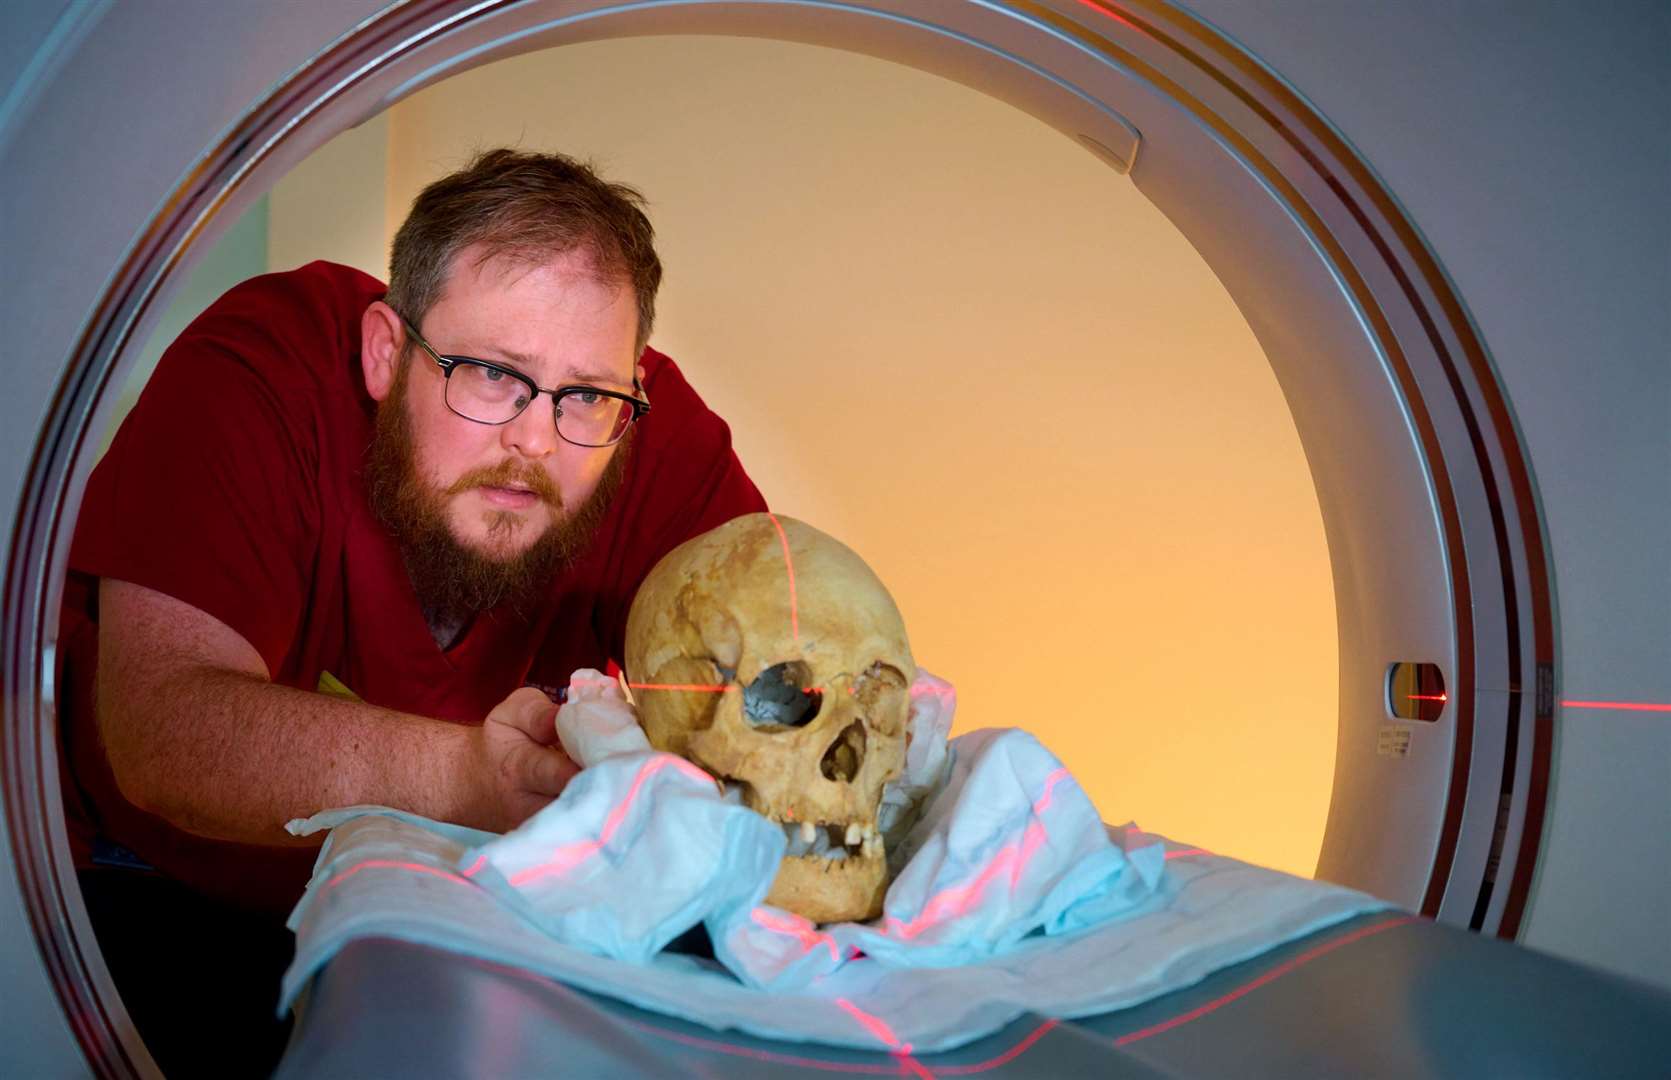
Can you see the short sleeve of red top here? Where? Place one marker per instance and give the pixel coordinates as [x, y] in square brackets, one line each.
[235, 486]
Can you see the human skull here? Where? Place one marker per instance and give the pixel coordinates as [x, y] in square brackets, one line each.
[770, 655]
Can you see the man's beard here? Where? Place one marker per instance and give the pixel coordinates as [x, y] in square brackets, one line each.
[453, 582]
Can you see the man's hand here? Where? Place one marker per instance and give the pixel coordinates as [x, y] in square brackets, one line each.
[198, 735]
[521, 766]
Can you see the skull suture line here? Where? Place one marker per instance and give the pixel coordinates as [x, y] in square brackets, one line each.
[811, 654]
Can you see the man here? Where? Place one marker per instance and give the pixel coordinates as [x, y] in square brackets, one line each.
[343, 531]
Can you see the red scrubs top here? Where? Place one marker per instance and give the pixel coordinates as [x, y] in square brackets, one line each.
[235, 485]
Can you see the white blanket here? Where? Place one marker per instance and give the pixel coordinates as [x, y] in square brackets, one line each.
[1014, 899]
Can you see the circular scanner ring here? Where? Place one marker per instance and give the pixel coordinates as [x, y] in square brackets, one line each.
[1494, 552]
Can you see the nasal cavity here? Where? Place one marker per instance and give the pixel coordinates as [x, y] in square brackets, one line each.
[781, 697]
[846, 755]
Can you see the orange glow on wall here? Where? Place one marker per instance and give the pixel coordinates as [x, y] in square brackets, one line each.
[954, 339]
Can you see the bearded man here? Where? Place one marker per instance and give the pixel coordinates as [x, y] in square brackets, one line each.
[342, 533]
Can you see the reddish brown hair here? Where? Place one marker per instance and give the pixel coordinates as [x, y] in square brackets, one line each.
[525, 207]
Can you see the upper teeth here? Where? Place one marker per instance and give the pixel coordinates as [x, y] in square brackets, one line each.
[833, 841]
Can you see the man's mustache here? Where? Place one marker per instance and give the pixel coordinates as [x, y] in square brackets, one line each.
[510, 474]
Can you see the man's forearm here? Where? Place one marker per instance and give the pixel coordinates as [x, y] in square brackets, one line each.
[232, 756]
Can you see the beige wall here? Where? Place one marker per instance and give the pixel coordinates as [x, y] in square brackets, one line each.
[333, 205]
[954, 339]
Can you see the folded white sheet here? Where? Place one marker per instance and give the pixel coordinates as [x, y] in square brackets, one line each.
[1013, 898]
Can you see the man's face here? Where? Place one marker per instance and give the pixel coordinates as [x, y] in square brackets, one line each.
[505, 494]
[506, 485]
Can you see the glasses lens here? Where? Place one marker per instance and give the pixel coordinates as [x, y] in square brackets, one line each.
[592, 419]
[485, 394]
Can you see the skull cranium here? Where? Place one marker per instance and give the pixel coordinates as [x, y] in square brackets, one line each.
[770, 655]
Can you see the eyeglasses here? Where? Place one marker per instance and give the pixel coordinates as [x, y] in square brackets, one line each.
[488, 393]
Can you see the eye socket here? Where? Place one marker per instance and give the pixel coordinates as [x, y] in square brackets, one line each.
[693, 705]
[878, 691]
[782, 698]
[878, 680]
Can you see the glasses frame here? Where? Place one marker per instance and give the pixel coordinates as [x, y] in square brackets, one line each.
[448, 363]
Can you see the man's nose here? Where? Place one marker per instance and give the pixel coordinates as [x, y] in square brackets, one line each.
[533, 433]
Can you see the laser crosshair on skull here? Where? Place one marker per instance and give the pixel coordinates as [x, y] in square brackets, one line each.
[812, 654]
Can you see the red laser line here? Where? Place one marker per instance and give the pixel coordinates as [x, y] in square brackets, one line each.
[873, 1024]
[763, 1055]
[717, 688]
[1428, 697]
[1100, 10]
[475, 868]
[569, 856]
[706, 688]
[955, 900]
[798, 927]
[1269, 976]
[879, 1028]
[1630, 706]
[563, 859]
[895, 1069]
[699, 688]
[1043, 802]
[1170, 855]
[1002, 1059]
[789, 565]
[734, 1050]
[393, 864]
[649, 769]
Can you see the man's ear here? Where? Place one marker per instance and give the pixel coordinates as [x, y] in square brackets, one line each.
[638, 373]
[381, 338]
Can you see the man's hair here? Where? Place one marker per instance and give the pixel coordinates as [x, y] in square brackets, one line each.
[527, 208]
